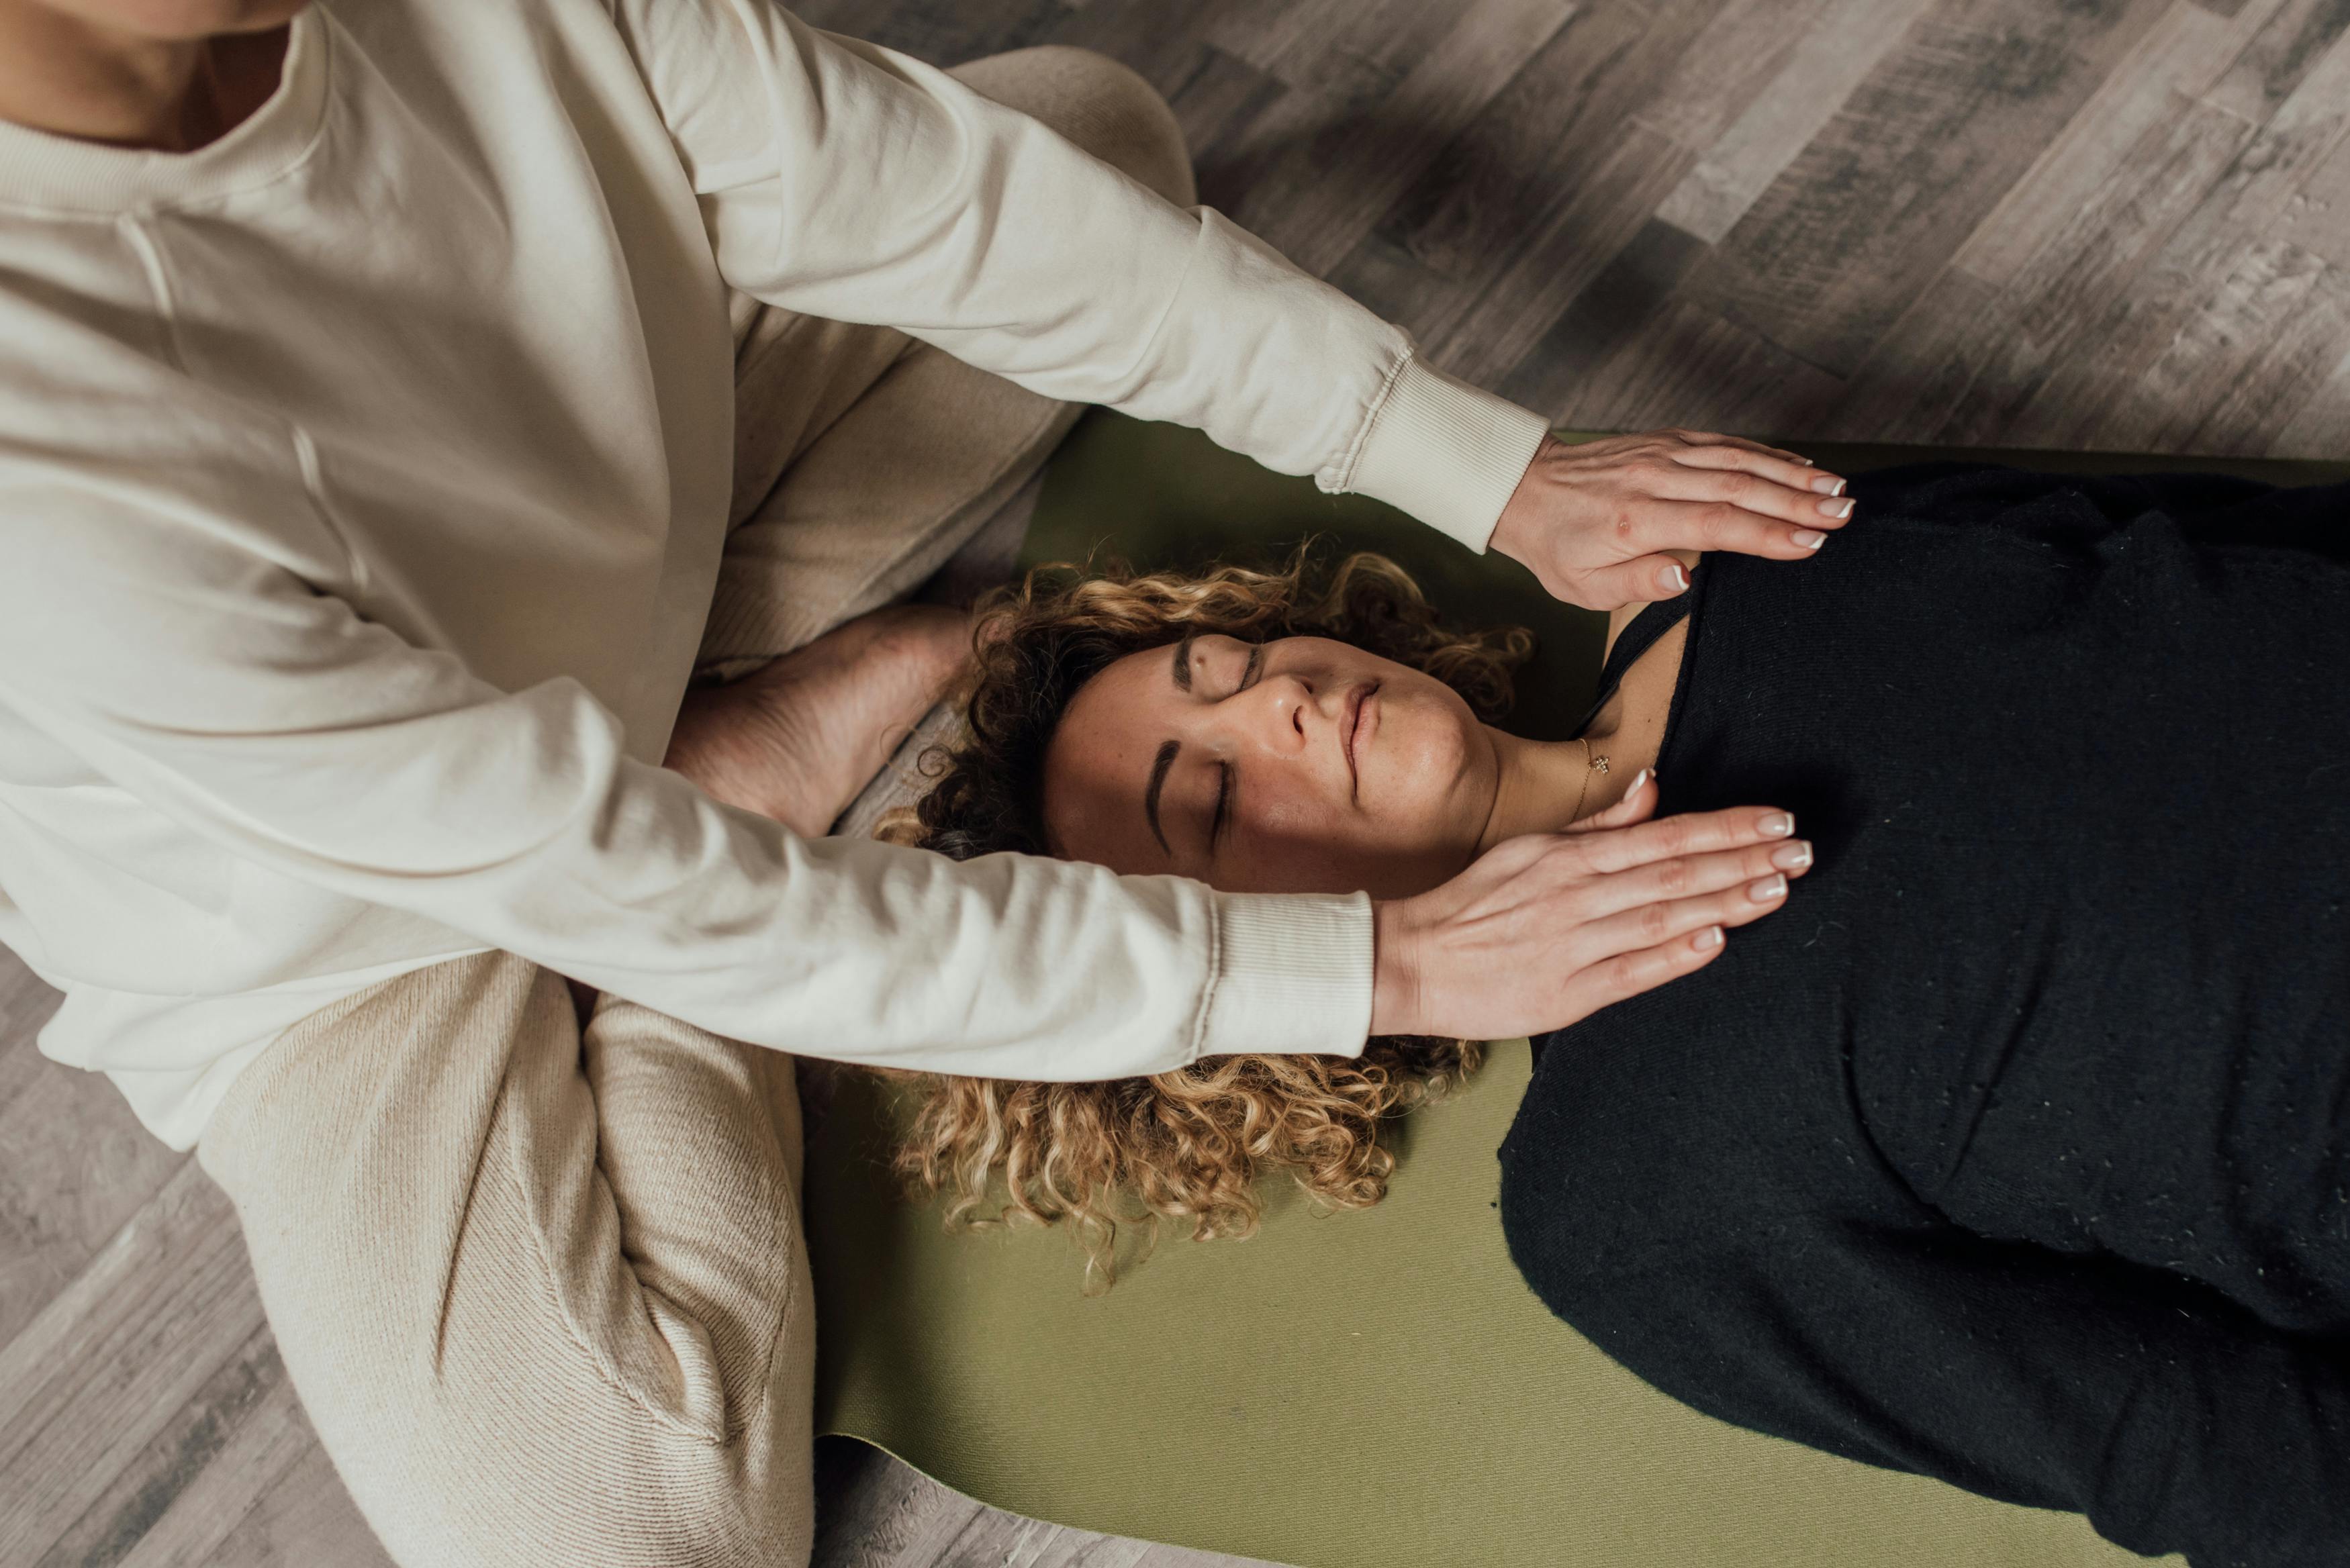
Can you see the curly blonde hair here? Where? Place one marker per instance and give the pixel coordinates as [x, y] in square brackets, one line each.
[1184, 1145]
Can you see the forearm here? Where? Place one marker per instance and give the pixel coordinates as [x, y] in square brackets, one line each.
[276, 725]
[628, 879]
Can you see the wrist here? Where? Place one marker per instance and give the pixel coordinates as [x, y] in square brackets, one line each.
[1515, 511]
[1396, 981]
[1447, 453]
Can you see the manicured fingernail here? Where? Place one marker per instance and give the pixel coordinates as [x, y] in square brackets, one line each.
[1792, 856]
[1836, 508]
[1706, 939]
[1638, 780]
[1807, 462]
[1768, 888]
[1827, 485]
[1676, 580]
[1778, 824]
[1809, 538]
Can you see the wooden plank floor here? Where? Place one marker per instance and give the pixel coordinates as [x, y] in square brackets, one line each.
[2120, 223]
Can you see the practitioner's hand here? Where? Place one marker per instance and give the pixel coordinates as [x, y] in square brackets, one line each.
[1546, 930]
[1594, 521]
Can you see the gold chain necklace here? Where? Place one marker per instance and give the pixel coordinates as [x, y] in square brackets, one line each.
[1598, 766]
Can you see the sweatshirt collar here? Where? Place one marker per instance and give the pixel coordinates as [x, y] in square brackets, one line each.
[43, 171]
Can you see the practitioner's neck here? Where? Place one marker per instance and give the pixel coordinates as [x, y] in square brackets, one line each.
[73, 76]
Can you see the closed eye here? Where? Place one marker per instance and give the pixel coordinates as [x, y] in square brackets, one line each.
[1223, 804]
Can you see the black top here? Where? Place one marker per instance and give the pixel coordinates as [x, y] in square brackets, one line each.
[2015, 1151]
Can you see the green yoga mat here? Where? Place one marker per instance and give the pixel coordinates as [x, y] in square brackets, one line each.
[1345, 1390]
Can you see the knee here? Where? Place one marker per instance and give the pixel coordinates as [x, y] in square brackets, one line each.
[1098, 104]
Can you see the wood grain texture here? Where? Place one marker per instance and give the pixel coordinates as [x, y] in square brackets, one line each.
[1989, 222]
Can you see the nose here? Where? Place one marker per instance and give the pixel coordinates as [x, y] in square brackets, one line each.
[1282, 714]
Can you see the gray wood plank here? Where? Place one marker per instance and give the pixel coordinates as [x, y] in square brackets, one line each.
[2243, 326]
[2075, 326]
[2318, 217]
[116, 1356]
[2098, 396]
[2291, 372]
[79, 1165]
[2180, 56]
[182, 1494]
[304, 1518]
[1215, 105]
[1925, 366]
[1697, 369]
[2319, 424]
[1919, 153]
[2278, 62]
[1347, 52]
[1481, 202]
[1318, 198]
[948, 32]
[1729, 63]
[1819, 71]
[1574, 245]
[1622, 304]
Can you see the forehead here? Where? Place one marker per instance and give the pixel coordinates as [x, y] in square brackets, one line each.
[1100, 758]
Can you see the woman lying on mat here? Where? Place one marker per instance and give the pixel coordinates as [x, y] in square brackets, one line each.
[2016, 1152]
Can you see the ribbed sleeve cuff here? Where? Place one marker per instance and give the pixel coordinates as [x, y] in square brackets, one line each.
[1293, 976]
[1446, 452]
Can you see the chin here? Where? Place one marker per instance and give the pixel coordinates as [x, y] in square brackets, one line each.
[1429, 771]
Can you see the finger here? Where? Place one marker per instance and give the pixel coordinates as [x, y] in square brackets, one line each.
[1635, 582]
[1698, 876]
[1759, 494]
[1639, 803]
[1654, 925]
[1690, 833]
[1739, 443]
[1720, 526]
[1611, 981]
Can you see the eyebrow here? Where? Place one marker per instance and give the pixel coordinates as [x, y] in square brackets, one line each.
[1158, 766]
[1182, 670]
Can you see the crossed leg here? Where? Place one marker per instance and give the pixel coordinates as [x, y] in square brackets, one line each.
[541, 1285]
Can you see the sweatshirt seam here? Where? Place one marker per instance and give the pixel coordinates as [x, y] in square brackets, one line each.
[150, 253]
[1182, 281]
[314, 489]
[142, 245]
[1386, 394]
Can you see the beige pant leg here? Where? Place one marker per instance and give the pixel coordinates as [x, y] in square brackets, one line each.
[865, 458]
[545, 1300]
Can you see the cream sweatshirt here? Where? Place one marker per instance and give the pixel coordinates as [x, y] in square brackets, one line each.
[363, 478]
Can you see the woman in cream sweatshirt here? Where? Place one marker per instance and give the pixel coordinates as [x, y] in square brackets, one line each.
[401, 402]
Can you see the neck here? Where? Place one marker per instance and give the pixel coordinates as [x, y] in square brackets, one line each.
[1544, 785]
[73, 77]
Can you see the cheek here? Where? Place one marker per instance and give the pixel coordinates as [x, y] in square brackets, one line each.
[1291, 811]
[1428, 777]
[1299, 841]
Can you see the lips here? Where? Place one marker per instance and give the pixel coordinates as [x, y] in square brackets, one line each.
[1352, 736]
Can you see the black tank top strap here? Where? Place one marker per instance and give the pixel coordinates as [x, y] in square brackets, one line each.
[1651, 623]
